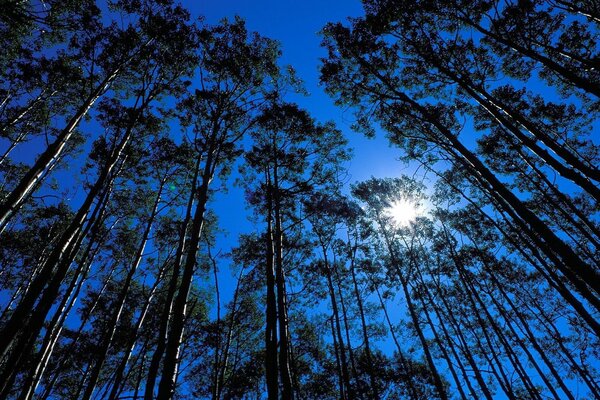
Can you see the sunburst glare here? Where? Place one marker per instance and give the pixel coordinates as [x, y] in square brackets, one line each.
[404, 211]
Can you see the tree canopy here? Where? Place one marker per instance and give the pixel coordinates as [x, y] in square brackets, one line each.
[125, 123]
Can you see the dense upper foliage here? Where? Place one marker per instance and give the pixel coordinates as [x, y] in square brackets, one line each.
[123, 121]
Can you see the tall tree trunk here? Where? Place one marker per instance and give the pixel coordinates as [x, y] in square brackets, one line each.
[549, 325]
[338, 363]
[55, 327]
[403, 361]
[581, 275]
[363, 321]
[590, 10]
[271, 361]
[216, 389]
[46, 285]
[66, 357]
[448, 315]
[24, 110]
[494, 362]
[396, 263]
[30, 180]
[285, 370]
[57, 266]
[578, 171]
[163, 330]
[24, 333]
[500, 112]
[440, 388]
[533, 257]
[345, 376]
[166, 388]
[351, 390]
[562, 204]
[562, 72]
[428, 301]
[478, 304]
[531, 338]
[118, 375]
[120, 303]
[224, 364]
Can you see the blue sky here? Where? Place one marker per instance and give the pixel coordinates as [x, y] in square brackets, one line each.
[296, 25]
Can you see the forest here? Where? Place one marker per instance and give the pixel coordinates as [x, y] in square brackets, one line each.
[125, 123]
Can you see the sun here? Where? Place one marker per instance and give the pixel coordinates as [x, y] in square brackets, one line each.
[403, 211]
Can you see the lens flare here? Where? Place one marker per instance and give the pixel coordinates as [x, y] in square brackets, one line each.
[403, 211]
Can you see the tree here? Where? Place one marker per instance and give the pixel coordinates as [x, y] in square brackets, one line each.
[379, 195]
[366, 68]
[291, 156]
[238, 73]
[135, 44]
[155, 78]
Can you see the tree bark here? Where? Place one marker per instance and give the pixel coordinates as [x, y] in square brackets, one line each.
[55, 327]
[271, 362]
[163, 330]
[287, 392]
[32, 177]
[120, 303]
[168, 380]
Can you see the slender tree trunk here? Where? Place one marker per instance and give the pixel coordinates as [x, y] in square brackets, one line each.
[271, 361]
[351, 391]
[30, 180]
[440, 388]
[534, 258]
[578, 171]
[338, 362]
[12, 146]
[24, 333]
[583, 276]
[66, 357]
[477, 304]
[466, 349]
[226, 350]
[532, 339]
[118, 376]
[562, 204]
[488, 353]
[285, 370]
[494, 362]
[372, 380]
[26, 109]
[457, 359]
[564, 73]
[57, 266]
[163, 330]
[55, 327]
[590, 10]
[345, 389]
[429, 302]
[120, 303]
[138, 381]
[550, 327]
[216, 389]
[579, 273]
[168, 380]
[403, 361]
[51, 275]
[500, 111]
